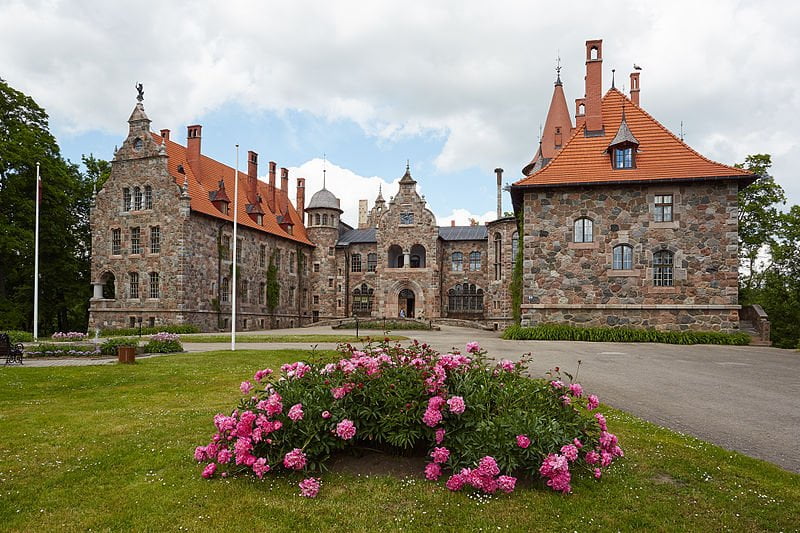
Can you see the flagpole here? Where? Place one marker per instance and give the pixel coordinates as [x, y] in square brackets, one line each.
[36, 261]
[235, 244]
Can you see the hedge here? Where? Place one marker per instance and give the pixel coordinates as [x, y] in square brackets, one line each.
[565, 332]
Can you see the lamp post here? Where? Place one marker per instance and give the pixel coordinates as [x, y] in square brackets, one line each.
[140, 328]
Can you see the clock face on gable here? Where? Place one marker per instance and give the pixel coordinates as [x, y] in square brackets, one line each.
[406, 218]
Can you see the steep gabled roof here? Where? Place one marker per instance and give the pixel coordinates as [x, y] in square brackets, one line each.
[661, 156]
[207, 180]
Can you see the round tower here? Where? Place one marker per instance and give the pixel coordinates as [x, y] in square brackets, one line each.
[327, 284]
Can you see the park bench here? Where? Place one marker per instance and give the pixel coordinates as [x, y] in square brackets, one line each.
[12, 352]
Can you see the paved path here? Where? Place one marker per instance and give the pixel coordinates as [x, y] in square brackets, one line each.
[739, 397]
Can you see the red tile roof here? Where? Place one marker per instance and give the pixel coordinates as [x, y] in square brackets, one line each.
[207, 180]
[661, 156]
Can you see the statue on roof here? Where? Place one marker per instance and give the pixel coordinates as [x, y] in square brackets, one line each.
[140, 88]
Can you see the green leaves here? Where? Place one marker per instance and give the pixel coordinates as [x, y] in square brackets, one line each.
[566, 332]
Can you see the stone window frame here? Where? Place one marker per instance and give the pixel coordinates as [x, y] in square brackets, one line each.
[475, 261]
[291, 295]
[678, 271]
[355, 263]
[406, 216]
[676, 206]
[663, 268]
[584, 223]
[596, 221]
[330, 283]
[136, 240]
[497, 241]
[465, 298]
[244, 290]
[315, 299]
[262, 256]
[457, 262]
[148, 196]
[155, 286]
[239, 246]
[316, 267]
[127, 199]
[362, 300]
[290, 262]
[623, 271]
[225, 290]
[137, 198]
[116, 241]
[372, 262]
[133, 285]
[262, 293]
[155, 239]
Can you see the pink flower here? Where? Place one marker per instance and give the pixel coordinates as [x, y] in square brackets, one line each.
[570, 452]
[224, 456]
[473, 347]
[209, 470]
[273, 405]
[456, 404]
[506, 483]
[296, 412]
[601, 421]
[487, 467]
[433, 472]
[436, 402]
[326, 414]
[507, 365]
[440, 455]
[592, 457]
[576, 390]
[577, 443]
[593, 402]
[309, 487]
[345, 429]
[432, 417]
[556, 384]
[295, 460]
[597, 473]
[246, 387]
[260, 467]
[261, 374]
[200, 454]
[523, 441]
[566, 400]
[455, 483]
[556, 469]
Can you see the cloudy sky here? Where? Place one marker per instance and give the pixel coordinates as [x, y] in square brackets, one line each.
[458, 88]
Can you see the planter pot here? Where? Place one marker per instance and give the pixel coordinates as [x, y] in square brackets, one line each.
[126, 354]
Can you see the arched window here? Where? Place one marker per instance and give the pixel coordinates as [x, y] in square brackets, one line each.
[355, 263]
[137, 199]
[395, 257]
[225, 290]
[109, 286]
[475, 261]
[498, 256]
[417, 256]
[317, 219]
[622, 257]
[663, 262]
[514, 246]
[582, 109]
[362, 300]
[465, 298]
[325, 219]
[148, 197]
[583, 230]
[457, 262]
[372, 262]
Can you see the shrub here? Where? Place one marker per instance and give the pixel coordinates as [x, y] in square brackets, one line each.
[62, 349]
[16, 336]
[483, 423]
[164, 343]
[127, 332]
[566, 332]
[385, 325]
[70, 336]
[109, 346]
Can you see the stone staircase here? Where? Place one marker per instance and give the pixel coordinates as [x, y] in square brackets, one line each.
[754, 321]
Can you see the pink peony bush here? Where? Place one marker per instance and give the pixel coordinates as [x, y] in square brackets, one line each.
[483, 424]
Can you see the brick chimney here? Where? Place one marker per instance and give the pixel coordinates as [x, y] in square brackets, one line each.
[165, 133]
[499, 172]
[285, 181]
[300, 202]
[452, 223]
[271, 195]
[594, 85]
[252, 176]
[580, 112]
[635, 87]
[193, 147]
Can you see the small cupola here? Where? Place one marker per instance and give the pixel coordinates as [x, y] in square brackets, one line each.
[219, 198]
[624, 147]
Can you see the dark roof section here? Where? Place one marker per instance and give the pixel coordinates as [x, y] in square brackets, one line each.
[357, 236]
[463, 233]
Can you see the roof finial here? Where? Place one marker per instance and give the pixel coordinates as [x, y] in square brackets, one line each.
[540, 133]
[613, 70]
[324, 170]
[681, 131]
[140, 88]
[408, 165]
[558, 68]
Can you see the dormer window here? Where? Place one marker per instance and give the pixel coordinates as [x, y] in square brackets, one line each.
[623, 157]
[260, 219]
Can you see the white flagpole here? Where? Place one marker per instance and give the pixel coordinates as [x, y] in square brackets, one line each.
[36, 261]
[235, 244]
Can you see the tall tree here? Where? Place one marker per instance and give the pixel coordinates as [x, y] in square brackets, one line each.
[64, 231]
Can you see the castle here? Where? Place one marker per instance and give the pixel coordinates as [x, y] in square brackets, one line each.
[621, 222]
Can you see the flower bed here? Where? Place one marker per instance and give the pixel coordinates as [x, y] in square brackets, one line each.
[164, 342]
[109, 346]
[62, 349]
[484, 425]
[70, 336]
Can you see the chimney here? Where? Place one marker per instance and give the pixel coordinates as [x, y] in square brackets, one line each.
[452, 223]
[252, 176]
[300, 203]
[285, 181]
[580, 112]
[499, 172]
[165, 133]
[635, 87]
[594, 85]
[193, 147]
[363, 207]
[271, 195]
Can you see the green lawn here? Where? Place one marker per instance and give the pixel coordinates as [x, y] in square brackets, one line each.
[290, 338]
[110, 448]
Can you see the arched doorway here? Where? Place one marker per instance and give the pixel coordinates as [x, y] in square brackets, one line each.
[405, 303]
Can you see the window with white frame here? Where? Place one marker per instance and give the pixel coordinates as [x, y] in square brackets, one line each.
[663, 208]
[663, 268]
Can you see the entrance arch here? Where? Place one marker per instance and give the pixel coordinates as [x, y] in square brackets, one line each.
[405, 303]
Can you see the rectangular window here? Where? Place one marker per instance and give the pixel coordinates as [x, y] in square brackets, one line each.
[355, 263]
[116, 241]
[316, 267]
[154, 285]
[238, 250]
[225, 247]
[133, 284]
[148, 197]
[155, 240]
[330, 250]
[224, 289]
[330, 282]
[372, 262]
[262, 256]
[316, 299]
[278, 260]
[126, 199]
[475, 261]
[623, 158]
[261, 292]
[663, 205]
[291, 295]
[151, 322]
[457, 262]
[291, 263]
[137, 199]
[244, 288]
[663, 262]
[406, 218]
[136, 241]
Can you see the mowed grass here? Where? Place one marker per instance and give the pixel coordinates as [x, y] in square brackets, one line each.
[110, 448]
[310, 339]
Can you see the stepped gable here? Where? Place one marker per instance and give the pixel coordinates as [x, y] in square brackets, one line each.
[211, 172]
[662, 156]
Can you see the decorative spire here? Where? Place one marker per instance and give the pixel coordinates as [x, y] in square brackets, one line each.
[324, 170]
[613, 70]
[558, 69]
